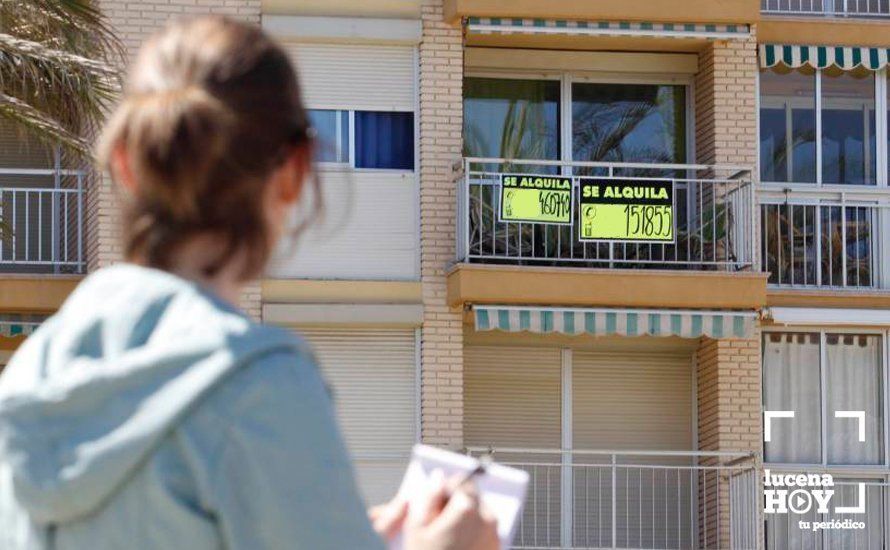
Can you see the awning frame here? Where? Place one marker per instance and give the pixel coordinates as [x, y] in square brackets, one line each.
[510, 25]
[615, 321]
[847, 58]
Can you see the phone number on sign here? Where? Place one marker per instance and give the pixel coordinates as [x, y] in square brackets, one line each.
[649, 221]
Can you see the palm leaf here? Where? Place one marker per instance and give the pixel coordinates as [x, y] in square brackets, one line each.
[57, 69]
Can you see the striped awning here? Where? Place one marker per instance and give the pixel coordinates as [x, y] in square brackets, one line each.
[507, 25]
[620, 322]
[12, 325]
[821, 57]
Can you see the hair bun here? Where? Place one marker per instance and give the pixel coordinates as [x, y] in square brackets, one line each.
[173, 137]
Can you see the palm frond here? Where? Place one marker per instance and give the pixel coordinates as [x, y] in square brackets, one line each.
[43, 127]
[57, 69]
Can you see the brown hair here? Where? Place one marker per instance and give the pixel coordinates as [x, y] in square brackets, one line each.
[211, 107]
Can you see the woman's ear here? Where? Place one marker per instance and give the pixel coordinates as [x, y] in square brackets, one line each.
[297, 168]
[121, 171]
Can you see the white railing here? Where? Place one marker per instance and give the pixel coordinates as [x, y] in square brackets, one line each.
[714, 208]
[635, 499]
[832, 8]
[825, 238]
[41, 220]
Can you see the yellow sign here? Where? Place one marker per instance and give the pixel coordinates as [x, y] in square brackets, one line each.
[536, 199]
[627, 210]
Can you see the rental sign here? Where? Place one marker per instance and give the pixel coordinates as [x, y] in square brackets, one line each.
[536, 199]
[627, 210]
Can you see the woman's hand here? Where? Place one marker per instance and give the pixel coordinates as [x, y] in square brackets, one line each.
[450, 519]
[388, 519]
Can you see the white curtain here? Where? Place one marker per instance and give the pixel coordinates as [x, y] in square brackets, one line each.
[791, 383]
[853, 383]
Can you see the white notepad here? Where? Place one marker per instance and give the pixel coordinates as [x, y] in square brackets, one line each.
[501, 489]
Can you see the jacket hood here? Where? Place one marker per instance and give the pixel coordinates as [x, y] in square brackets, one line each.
[93, 391]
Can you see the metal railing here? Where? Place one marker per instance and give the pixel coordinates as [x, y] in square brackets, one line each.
[635, 499]
[831, 8]
[818, 238]
[41, 220]
[714, 209]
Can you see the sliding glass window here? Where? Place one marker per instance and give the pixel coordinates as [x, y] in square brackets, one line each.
[848, 127]
[788, 126]
[629, 123]
[791, 111]
[511, 118]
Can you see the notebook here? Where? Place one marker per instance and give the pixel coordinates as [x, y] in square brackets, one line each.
[501, 488]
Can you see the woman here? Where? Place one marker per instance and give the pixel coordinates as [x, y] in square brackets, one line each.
[149, 412]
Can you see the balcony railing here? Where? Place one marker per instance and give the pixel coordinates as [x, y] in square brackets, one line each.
[714, 210]
[636, 499]
[41, 221]
[829, 8]
[817, 238]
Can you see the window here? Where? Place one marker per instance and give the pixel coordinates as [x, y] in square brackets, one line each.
[511, 118]
[332, 135]
[820, 128]
[384, 140]
[629, 122]
[816, 374]
[848, 127]
[364, 139]
[791, 111]
[788, 127]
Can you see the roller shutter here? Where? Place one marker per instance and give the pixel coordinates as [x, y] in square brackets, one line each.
[371, 225]
[632, 401]
[372, 375]
[512, 398]
[368, 231]
[355, 76]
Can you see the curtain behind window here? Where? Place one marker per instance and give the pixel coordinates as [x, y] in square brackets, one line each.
[791, 382]
[853, 381]
[384, 140]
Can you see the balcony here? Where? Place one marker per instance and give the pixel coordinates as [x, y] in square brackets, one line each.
[827, 8]
[825, 239]
[636, 499]
[41, 221]
[714, 219]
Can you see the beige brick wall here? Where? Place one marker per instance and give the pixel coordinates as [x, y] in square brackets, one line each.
[726, 103]
[441, 122]
[729, 404]
[134, 21]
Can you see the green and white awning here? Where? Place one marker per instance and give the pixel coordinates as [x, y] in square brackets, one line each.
[508, 25]
[12, 325]
[821, 57]
[620, 322]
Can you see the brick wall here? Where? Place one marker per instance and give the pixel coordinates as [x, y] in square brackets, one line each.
[441, 122]
[134, 21]
[729, 404]
[726, 103]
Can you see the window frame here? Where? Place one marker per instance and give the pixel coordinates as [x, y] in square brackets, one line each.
[881, 147]
[881, 470]
[827, 195]
[567, 78]
[349, 164]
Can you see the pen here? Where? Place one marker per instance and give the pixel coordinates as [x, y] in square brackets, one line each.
[479, 470]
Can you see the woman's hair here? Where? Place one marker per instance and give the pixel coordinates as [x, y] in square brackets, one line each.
[212, 106]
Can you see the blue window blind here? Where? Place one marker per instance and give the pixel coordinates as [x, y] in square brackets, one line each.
[384, 140]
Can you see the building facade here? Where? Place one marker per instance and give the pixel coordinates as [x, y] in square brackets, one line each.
[631, 377]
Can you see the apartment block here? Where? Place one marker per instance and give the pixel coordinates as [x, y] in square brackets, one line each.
[714, 266]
